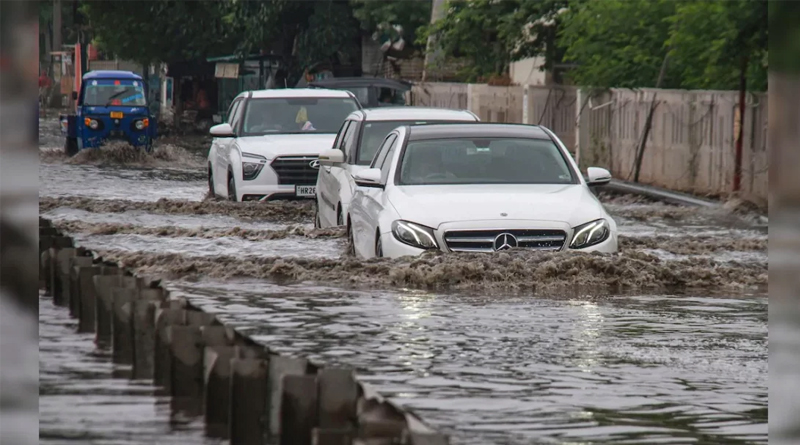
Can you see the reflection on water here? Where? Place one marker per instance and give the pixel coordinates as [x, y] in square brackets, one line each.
[81, 400]
[522, 370]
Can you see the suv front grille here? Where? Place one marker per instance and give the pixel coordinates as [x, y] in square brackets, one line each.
[295, 170]
[484, 240]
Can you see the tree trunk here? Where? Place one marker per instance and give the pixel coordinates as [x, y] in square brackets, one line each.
[737, 168]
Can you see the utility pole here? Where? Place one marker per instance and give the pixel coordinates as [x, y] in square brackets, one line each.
[432, 52]
[649, 122]
[57, 38]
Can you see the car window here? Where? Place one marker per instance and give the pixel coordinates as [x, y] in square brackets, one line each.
[349, 140]
[337, 143]
[373, 133]
[237, 116]
[361, 93]
[377, 162]
[297, 115]
[493, 160]
[232, 110]
[387, 161]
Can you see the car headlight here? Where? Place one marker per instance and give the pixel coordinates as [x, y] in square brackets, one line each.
[414, 235]
[252, 164]
[94, 124]
[142, 124]
[589, 234]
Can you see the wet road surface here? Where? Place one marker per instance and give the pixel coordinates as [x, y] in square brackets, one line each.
[490, 365]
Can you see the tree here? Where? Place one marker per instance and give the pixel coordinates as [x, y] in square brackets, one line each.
[474, 30]
[378, 17]
[164, 30]
[618, 43]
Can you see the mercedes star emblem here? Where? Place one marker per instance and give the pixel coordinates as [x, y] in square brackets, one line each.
[314, 163]
[505, 241]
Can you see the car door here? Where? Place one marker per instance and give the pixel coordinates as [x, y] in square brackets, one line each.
[371, 202]
[227, 144]
[218, 147]
[328, 179]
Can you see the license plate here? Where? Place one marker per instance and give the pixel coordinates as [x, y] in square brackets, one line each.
[308, 191]
[116, 115]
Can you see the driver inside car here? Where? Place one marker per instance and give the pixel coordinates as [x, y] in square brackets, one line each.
[302, 120]
[426, 165]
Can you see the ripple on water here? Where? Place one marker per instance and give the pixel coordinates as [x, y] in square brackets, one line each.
[80, 400]
[292, 247]
[516, 370]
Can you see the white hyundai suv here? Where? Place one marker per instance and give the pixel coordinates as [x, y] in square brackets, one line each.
[268, 148]
[355, 146]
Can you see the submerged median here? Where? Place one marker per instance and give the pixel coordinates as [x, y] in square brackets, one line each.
[244, 392]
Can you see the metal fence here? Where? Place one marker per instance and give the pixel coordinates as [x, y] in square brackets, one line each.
[690, 147]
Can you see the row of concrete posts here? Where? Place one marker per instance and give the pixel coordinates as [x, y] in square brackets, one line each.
[245, 393]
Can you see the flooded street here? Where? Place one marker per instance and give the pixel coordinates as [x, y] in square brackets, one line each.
[664, 342]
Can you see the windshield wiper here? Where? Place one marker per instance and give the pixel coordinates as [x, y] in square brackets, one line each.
[114, 96]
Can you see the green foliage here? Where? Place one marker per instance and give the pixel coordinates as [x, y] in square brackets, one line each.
[378, 16]
[785, 44]
[329, 36]
[619, 43]
[476, 30]
[707, 41]
[163, 30]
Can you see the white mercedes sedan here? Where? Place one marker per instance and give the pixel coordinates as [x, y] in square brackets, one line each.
[476, 187]
[269, 145]
[355, 146]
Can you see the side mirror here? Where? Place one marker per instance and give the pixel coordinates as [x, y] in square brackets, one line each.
[74, 95]
[596, 176]
[370, 177]
[331, 156]
[222, 131]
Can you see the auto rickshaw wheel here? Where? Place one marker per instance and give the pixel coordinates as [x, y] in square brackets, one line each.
[71, 146]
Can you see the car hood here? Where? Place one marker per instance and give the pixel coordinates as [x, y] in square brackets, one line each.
[272, 146]
[435, 205]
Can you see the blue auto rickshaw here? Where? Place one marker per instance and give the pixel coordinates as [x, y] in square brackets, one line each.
[111, 105]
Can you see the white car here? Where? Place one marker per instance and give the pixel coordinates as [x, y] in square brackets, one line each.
[268, 148]
[355, 146]
[476, 188]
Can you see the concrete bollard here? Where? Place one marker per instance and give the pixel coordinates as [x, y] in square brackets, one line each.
[53, 277]
[103, 286]
[186, 347]
[426, 439]
[379, 420]
[121, 330]
[162, 357]
[249, 391]
[61, 274]
[75, 264]
[278, 367]
[337, 391]
[298, 415]
[144, 332]
[217, 393]
[88, 298]
[332, 436]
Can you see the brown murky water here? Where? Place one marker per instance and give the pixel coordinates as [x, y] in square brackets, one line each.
[666, 341]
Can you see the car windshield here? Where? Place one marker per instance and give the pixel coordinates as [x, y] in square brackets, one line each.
[373, 134]
[484, 161]
[296, 115]
[124, 93]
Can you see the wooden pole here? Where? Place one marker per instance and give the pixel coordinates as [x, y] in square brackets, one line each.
[737, 168]
[649, 122]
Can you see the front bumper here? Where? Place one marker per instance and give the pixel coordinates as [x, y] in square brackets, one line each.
[393, 248]
[267, 186]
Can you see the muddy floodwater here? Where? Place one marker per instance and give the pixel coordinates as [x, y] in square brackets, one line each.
[665, 342]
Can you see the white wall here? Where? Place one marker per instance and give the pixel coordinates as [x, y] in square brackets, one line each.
[527, 71]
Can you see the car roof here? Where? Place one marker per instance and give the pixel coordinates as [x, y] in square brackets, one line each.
[475, 130]
[411, 113]
[279, 93]
[111, 74]
[362, 82]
